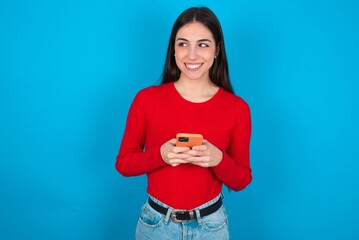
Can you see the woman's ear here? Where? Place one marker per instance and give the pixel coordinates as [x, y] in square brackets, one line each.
[217, 50]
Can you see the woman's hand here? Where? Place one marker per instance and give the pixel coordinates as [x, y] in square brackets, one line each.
[173, 155]
[205, 155]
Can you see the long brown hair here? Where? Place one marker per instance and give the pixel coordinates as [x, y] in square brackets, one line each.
[218, 73]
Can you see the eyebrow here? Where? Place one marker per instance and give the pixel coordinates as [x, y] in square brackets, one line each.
[200, 40]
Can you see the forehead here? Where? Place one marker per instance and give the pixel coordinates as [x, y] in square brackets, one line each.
[194, 30]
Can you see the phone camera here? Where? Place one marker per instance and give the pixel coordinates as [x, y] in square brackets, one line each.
[183, 139]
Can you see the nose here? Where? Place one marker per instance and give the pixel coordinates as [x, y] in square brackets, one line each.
[192, 53]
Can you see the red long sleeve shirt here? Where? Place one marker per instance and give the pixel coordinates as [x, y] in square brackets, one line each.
[156, 115]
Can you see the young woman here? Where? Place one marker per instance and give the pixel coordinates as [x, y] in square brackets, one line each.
[185, 183]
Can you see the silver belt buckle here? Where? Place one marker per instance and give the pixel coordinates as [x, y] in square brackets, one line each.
[174, 216]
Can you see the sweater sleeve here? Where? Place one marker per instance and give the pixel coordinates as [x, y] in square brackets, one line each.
[133, 159]
[234, 169]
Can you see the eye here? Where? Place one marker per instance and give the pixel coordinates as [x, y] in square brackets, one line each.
[182, 44]
[203, 45]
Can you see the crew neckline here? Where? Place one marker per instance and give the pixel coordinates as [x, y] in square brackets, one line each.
[179, 96]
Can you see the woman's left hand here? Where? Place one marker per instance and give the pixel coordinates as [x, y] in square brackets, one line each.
[205, 155]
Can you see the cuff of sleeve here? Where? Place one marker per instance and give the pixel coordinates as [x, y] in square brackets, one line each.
[223, 165]
[155, 154]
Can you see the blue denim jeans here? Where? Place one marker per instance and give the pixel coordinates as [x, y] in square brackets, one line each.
[153, 225]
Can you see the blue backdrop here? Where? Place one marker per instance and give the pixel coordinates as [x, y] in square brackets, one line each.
[70, 69]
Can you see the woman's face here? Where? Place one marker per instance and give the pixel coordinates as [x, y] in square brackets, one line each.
[195, 50]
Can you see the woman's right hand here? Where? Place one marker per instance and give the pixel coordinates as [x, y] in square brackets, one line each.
[173, 155]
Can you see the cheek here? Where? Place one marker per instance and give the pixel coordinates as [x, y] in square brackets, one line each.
[179, 60]
[179, 53]
[209, 54]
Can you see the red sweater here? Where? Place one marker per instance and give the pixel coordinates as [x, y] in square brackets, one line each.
[156, 115]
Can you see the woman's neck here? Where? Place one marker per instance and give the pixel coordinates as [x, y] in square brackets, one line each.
[196, 90]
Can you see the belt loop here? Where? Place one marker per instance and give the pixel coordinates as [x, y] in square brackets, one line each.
[198, 215]
[168, 215]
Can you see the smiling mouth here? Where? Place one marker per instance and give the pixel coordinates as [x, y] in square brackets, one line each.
[193, 67]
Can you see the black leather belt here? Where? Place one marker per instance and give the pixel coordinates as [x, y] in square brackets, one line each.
[179, 216]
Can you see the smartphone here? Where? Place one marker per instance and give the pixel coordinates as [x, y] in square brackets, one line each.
[188, 139]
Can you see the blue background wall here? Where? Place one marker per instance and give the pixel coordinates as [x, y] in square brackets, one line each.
[70, 69]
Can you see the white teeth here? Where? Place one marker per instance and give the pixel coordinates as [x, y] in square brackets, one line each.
[193, 66]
